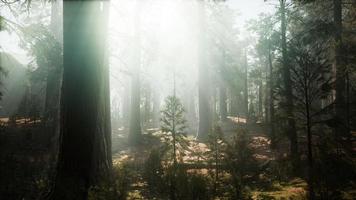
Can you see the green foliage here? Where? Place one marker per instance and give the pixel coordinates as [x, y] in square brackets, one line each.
[173, 117]
[112, 190]
[240, 162]
[1, 23]
[154, 171]
[188, 186]
[3, 72]
[44, 48]
[102, 192]
[333, 167]
[173, 123]
[198, 186]
[122, 174]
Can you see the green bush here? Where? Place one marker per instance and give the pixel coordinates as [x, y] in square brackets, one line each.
[153, 172]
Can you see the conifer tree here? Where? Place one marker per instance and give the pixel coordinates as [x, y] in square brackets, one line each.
[173, 122]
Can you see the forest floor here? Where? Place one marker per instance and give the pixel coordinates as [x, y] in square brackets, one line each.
[293, 188]
[24, 163]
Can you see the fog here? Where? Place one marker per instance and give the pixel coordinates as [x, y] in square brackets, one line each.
[177, 99]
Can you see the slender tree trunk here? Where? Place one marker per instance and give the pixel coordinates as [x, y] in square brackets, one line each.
[223, 107]
[126, 107]
[260, 100]
[271, 101]
[214, 106]
[266, 97]
[156, 109]
[135, 117]
[147, 105]
[310, 153]
[291, 129]
[85, 150]
[246, 87]
[203, 83]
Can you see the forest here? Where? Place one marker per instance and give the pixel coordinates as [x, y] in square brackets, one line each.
[177, 100]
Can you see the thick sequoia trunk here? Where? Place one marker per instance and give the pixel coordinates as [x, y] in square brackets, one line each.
[203, 83]
[340, 89]
[85, 146]
[135, 115]
[54, 83]
[291, 129]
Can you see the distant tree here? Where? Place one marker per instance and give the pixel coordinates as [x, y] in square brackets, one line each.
[267, 41]
[135, 110]
[3, 74]
[24, 105]
[47, 53]
[203, 76]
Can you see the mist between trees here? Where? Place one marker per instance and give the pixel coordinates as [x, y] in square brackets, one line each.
[177, 99]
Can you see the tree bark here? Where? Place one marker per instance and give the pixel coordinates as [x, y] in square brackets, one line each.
[85, 145]
[147, 105]
[340, 89]
[203, 83]
[126, 107]
[271, 100]
[310, 153]
[223, 107]
[54, 82]
[135, 117]
[156, 109]
[260, 100]
[246, 87]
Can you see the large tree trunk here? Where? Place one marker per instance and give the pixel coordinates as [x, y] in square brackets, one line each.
[340, 101]
[85, 146]
[135, 117]
[291, 129]
[203, 83]
[54, 81]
